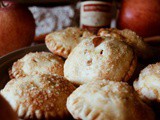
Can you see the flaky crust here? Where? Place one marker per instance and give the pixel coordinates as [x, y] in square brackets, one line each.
[62, 42]
[37, 63]
[6, 112]
[148, 83]
[107, 100]
[142, 49]
[39, 96]
[98, 58]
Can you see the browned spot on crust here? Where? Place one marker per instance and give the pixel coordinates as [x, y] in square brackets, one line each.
[10, 74]
[97, 41]
[101, 52]
[89, 62]
[96, 116]
[88, 112]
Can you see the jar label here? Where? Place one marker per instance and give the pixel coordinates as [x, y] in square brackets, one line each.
[95, 14]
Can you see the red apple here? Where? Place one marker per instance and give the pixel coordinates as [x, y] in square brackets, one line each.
[17, 27]
[141, 16]
[6, 112]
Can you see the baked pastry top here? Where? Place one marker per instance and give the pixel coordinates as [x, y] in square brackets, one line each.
[37, 63]
[63, 41]
[98, 58]
[148, 83]
[142, 49]
[39, 96]
[107, 100]
[6, 112]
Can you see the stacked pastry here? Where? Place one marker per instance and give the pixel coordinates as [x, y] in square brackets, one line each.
[38, 89]
[42, 84]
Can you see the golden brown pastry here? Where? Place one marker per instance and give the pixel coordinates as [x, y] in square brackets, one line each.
[107, 100]
[37, 63]
[6, 112]
[39, 96]
[142, 49]
[148, 83]
[62, 42]
[97, 58]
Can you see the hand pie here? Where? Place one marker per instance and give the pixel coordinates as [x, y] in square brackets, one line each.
[148, 83]
[6, 112]
[37, 63]
[39, 96]
[142, 49]
[107, 100]
[97, 58]
[62, 42]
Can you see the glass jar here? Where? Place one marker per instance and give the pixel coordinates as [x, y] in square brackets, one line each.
[95, 14]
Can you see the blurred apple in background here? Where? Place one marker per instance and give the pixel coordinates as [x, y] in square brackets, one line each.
[141, 16]
[17, 27]
[6, 112]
